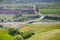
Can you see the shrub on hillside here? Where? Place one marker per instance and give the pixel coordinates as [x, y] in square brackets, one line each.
[12, 31]
[26, 34]
[1, 26]
[18, 37]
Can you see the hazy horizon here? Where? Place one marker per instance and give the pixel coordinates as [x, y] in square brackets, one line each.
[28, 1]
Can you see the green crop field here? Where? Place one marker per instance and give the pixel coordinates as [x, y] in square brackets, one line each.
[52, 13]
[49, 11]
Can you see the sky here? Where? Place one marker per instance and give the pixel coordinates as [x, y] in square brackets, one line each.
[28, 1]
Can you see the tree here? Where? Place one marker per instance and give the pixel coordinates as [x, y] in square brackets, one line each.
[18, 37]
[12, 31]
[26, 34]
[1, 26]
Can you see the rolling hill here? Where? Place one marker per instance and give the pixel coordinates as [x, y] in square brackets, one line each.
[4, 35]
[43, 31]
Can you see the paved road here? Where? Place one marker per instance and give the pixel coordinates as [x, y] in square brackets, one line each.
[46, 23]
[32, 21]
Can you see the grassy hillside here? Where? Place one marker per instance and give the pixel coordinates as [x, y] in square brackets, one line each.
[4, 35]
[43, 31]
[50, 35]
[38, 28]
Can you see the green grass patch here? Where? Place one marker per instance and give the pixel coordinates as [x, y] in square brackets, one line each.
[4, 35]
[49, 11]
[40, 28]
[50, 35]
[43, 31]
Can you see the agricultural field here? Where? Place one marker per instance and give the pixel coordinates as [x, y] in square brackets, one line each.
[49, 11]
[14, 13]
[31, 32]
[51, 15]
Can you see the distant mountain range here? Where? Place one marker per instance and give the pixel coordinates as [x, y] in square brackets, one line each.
[28, 1]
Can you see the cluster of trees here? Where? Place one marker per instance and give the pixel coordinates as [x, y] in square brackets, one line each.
[52, 18]
[1, 26]
[20, 35]
[17, 18]
[6, 18]
[20, 18]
